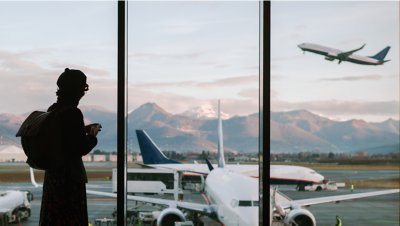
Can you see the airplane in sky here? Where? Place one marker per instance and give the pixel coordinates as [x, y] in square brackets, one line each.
[335, 54]
[16, 205]
[279, 174]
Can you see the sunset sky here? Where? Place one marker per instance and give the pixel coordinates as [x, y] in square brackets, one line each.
[186, 54]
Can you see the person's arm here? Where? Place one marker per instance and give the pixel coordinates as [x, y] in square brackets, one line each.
[77, 140]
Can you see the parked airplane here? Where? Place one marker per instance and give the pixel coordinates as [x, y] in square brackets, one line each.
[15, 205]
[234, 201]
[295, 175]
[289, 212]
[233, 198]
[154, 157]
[335, 54]
[279, 174]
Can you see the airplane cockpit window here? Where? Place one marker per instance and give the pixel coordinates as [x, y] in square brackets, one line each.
[245, 203]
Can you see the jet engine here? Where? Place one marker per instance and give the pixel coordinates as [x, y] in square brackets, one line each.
[329, 58]
[169, 216]
[300, 217]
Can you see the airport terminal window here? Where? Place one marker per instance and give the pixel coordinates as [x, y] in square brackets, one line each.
[182, 58]
[39, 39]
[181, 55]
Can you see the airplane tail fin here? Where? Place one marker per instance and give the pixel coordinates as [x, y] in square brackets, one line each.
[221, 159]
[382, 54]
[150, 152]
[209, 165]
[33, 180]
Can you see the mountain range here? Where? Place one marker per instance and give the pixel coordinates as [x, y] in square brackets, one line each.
[294, 131]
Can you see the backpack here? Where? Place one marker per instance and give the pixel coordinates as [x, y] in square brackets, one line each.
[41, 140]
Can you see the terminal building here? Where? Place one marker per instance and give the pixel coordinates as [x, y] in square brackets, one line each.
[12, 153]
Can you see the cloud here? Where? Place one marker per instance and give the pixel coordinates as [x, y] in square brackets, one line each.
[355, 78]
[380, 110]
[148, 56]
[27, 85]
[89, 71]
[18, 63]
[233, 81]
[249, 93]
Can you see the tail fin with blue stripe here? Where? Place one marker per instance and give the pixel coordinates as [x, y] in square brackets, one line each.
[382, 54]
[150, 152]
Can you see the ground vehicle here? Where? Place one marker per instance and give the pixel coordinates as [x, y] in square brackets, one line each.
[151, 181]
[15, 205]
[330, 185]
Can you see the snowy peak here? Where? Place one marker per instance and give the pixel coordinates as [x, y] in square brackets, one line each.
[204, 112]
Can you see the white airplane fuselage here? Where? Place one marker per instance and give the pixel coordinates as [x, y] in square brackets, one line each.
[285, 174]
[235, 196]
[248, 170]
[279, 174]
[335, 54]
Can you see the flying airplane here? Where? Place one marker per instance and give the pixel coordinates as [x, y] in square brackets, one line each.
[335, 54]
[16, 205]
[279, 174]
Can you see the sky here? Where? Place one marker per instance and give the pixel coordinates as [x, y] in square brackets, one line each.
[180, 54]
[185, 54]
[338, 91]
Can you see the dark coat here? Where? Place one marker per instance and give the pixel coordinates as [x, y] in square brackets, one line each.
[64, 189]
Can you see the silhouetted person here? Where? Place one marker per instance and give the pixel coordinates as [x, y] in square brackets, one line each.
[64, 189]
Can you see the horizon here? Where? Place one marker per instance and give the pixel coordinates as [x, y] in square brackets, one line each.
[104, 109]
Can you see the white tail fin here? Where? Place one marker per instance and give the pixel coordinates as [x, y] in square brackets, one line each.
[33, 181]
[221, 159]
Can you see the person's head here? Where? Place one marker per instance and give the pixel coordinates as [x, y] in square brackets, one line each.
[72, 84]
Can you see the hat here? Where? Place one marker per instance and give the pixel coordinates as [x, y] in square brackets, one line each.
[72, 79]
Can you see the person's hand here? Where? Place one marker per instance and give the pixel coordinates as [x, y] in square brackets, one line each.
[93, 129]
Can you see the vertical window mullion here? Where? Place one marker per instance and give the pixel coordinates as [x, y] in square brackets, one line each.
[121, 116]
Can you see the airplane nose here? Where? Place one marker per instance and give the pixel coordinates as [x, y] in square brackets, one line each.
[300, 46]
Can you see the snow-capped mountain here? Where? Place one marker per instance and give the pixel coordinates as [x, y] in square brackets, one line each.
[204, 112]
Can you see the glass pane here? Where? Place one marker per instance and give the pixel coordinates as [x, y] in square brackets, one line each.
[182, 58]
[38, 41]
[332, 109]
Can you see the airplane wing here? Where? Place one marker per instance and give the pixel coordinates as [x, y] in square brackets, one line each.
[197, 207]
[344, 55]
[336, 198]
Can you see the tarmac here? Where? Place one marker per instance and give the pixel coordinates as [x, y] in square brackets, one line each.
[374, 211]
